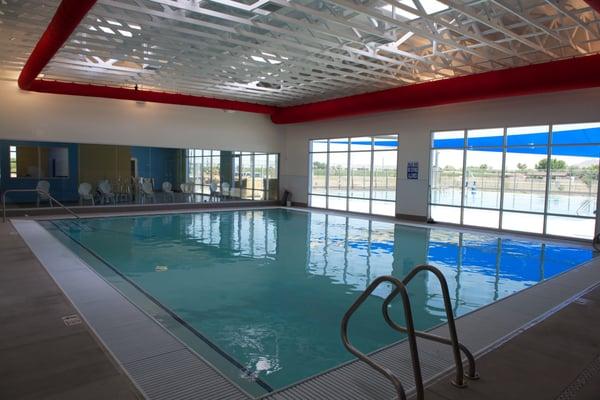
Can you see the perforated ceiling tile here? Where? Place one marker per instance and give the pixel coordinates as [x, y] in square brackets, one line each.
[22, 23]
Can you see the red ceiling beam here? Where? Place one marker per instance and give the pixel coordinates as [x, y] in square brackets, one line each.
[76, 89]
[68, 16]
[570, 74]
[554, 76]
[595, 4]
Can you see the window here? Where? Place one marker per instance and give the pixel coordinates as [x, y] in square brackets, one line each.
[38, 162]
[539, 179]
[13, 161]
[251, 176]
[354, 174]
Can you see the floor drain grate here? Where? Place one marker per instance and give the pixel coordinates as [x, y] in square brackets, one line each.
[71, 320]
[583, 379]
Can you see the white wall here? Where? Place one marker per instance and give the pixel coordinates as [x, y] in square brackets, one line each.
[415, 126]
[48, 117]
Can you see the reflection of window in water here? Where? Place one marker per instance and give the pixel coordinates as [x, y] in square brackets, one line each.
[351, 252]
[249, 233]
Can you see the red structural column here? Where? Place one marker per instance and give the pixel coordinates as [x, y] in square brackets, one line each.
[68, 16]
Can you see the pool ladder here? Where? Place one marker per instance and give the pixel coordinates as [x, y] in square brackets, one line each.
[400, 289]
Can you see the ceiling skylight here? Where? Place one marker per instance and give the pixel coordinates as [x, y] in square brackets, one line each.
[106, 29]
[430, 7]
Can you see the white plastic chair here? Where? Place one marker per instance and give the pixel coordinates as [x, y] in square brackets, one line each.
[214, 194]
[168, 190]
[45, 187]
[225, 190]
[106, 194]
[147, 191]
[187, 189]
[85, 193]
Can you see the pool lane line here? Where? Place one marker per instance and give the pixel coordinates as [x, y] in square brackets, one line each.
[173, 315]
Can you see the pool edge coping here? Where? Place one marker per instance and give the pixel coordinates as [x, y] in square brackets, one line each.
[19, 224]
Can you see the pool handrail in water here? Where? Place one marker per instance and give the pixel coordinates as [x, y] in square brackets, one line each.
[457, 347]
[410, 330]
[400, 289]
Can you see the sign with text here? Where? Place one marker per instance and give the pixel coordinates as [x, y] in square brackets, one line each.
[412, 170]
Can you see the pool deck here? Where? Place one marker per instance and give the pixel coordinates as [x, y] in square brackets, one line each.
[42, 358]
[488, 332]
[559, 358]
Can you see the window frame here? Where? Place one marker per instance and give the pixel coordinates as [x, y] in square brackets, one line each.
[548, 177]
[349, 151]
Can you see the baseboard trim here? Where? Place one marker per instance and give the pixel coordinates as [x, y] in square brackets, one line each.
[411, 217]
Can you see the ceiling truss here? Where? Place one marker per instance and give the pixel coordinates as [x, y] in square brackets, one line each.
[289, 52]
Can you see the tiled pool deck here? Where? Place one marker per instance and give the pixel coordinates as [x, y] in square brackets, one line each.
[42, 358]
[482, 331]
[559, 358]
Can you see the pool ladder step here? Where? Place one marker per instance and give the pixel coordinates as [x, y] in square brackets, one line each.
[409, 329]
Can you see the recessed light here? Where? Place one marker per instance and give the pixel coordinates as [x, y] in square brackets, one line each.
[106, 30]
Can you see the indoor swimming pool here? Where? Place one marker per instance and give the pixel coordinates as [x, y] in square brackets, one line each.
[260, 293]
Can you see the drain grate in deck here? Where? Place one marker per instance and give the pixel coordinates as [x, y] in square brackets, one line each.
[71, 320]
[585, 377]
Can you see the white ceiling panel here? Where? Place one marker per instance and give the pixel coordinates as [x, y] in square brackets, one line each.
[286, 52]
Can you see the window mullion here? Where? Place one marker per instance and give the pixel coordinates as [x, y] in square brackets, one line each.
[327, 177]
[348, 177]
[502, 174]
[464, 172]
[548, 178]
[372, 177]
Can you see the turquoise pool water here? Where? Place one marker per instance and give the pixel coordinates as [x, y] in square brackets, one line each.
[266, 289]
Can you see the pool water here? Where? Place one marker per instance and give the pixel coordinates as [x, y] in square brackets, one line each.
[268, 287]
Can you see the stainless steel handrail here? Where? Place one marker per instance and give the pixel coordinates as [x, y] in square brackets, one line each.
[457, 347]
[410, 330]
[39, 191]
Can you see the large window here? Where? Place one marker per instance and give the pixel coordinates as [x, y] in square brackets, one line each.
[248, 175]
[203, 168]
[539, 179]
[354, 174]
[38, 162]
